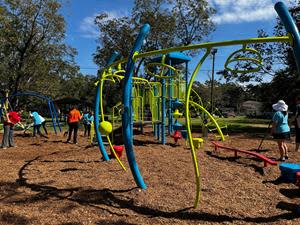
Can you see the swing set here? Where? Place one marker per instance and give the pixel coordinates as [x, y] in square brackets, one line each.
[5, 102]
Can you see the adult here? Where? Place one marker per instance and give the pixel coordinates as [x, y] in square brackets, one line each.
[297, 123]
[38, 121]
[74, 117]
[280, 128]
[10, 119]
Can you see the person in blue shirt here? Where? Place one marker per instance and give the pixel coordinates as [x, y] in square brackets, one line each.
[88, 119]
[85, 120]
[38, 121]
[280, 128]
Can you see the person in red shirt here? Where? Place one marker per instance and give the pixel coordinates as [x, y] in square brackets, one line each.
[74, 117]
[11, 118]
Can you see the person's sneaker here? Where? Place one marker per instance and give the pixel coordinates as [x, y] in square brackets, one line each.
[282, 159]
[4, 147]
[69, 142]
[76, 143]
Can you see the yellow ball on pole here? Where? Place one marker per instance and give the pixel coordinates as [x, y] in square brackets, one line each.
[105, 128]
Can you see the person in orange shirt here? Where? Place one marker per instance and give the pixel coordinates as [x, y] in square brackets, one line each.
[74, 117]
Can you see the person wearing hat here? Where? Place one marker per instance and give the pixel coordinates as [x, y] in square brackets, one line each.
[280, 128]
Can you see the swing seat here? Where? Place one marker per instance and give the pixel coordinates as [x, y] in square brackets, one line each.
[197, 142]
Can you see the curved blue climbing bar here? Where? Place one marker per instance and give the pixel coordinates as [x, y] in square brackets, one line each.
[127, 110]
[291, 28]
[96, 112]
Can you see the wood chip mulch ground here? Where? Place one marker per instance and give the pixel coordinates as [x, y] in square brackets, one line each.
[48, 181]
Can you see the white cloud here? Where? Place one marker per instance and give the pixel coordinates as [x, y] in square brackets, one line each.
[240, 11]
[88, 28]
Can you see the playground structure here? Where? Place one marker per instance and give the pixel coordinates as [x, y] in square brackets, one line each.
[149, 97]
[168, 72]
[52, 110]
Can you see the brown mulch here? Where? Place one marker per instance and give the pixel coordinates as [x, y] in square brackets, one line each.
[52, 182]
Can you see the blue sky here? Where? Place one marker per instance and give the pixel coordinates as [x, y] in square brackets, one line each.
[235, 19]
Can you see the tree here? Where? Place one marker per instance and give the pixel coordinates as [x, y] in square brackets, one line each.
[173, 23]
[225, 94]
[285, 80]
[32, 53]
[192, 23]
[81, 86]
[277, 56]
[115, 35]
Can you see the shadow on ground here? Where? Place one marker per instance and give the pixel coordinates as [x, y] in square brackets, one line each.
[258, 169]
[114, 202]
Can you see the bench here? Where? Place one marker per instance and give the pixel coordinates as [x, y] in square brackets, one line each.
[257, 155]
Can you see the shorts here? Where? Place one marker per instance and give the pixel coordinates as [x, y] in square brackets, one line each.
[297, 135]
[282, 136]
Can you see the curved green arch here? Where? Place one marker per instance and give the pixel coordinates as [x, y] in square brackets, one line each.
[211, 117]
[188, 125]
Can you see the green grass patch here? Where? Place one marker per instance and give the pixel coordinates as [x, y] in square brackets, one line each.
[238, 124]
[243, 120]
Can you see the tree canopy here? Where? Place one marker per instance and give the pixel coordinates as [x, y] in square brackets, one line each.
[33, 55]
[173, 23]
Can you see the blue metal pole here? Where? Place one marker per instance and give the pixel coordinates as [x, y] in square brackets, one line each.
[96, 112]
[51, 113]
[163, 111]
[186, 77]
[127, 104]
[170, 118]
[159, 118]
[291, 28]
[56, 116]
[154, 109]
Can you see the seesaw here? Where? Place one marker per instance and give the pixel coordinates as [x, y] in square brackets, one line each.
[265, 159]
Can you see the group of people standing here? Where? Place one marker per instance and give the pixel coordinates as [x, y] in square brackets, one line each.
[280, 126]
[10, 119]
[281, 129]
